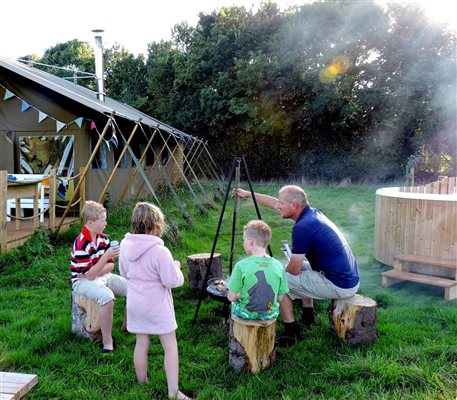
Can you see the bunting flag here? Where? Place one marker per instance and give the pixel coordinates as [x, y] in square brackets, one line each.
[8, 95]
[79, 121]
[59, 125]
[25, 106]
[41, 116]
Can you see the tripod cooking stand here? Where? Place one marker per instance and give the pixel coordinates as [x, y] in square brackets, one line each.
[235, 172]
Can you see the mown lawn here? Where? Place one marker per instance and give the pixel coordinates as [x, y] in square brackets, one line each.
[415, 356]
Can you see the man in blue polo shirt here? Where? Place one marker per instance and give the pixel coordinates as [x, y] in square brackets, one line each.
[333, 274]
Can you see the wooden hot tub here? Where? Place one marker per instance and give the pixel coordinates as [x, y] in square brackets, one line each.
[419, 221]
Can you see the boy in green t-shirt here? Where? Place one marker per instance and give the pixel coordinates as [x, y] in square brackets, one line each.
[259, 281]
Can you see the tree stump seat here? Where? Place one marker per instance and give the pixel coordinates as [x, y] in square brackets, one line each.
[198, 264]
[85, 319]
[354, 319]
[251, 343]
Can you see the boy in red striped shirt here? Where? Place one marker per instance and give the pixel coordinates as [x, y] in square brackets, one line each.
[92, 263]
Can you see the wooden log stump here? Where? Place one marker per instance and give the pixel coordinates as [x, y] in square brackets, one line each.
[251, 343]
[198, 264]
[354, 319]
[85, 317]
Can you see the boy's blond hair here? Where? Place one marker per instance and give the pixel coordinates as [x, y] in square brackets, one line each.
[259, 232]
[148, 219]
[92, 211]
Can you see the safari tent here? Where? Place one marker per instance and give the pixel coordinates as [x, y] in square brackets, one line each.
[47, 122]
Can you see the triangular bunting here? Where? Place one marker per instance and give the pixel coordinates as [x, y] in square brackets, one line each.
[79, 121]
[60, 125]
[8, 95]
[25, 106]
[41, 116]
[92, 125]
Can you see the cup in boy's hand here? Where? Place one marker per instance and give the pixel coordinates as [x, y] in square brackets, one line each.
[114, 245]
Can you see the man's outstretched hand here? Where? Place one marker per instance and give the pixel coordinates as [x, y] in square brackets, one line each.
[241, 193]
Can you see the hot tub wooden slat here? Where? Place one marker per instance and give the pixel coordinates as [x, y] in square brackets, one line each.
[427, 260]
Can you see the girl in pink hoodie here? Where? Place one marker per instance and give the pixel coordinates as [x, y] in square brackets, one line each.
[151, 273]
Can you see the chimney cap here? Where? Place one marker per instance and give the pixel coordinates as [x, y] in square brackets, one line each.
[98, 30]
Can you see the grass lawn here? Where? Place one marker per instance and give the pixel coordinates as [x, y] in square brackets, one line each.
[415, 356]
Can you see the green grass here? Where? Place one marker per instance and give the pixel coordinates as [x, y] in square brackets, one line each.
[415, 356]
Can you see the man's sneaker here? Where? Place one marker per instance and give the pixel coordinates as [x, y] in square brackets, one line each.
[285, 339]
[307, 317]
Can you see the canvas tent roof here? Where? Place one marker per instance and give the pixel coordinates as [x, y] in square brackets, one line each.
[77, 94]
[68, 105]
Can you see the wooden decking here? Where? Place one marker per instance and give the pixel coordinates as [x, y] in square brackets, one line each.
[19, 230]
[13, 385]
[15, 238]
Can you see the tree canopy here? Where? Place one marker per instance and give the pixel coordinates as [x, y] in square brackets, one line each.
[328, 90]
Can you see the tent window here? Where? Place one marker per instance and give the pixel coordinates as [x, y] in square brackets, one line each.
[117, 153]
[149, 158]
[165, 155]
[38, 154]
[100, 160]
[137, 151]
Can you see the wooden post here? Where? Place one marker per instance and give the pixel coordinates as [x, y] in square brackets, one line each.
[86, 169]
[157, 162]
[52, 200]
[3, 196]
[102, 194]
[354, 319]
[198, 264]
[251, 343]
[192, 155]
[170, 152]
[82, 192]
[169, 168]
[85, 317]
[133, 173]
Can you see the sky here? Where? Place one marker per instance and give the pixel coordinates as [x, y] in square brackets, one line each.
[31, 26]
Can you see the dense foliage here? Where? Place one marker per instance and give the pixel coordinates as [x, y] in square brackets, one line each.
[327, 90]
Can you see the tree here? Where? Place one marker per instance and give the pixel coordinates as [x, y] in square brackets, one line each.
[328, 90]
[76, 61]
[125, 77]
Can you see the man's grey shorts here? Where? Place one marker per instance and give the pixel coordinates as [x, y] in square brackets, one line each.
[102, 289]
[313, 284]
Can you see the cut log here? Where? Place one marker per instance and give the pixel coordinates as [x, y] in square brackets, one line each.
[198, 264]
[354, 319]
[85, 317]
[251, 344]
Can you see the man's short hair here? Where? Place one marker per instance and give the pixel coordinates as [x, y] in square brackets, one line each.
[148, 219]
[259, 232]
[295, 194]
[92, 211]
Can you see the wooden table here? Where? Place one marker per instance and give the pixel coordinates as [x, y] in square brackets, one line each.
[16, 190]
[13, 386]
